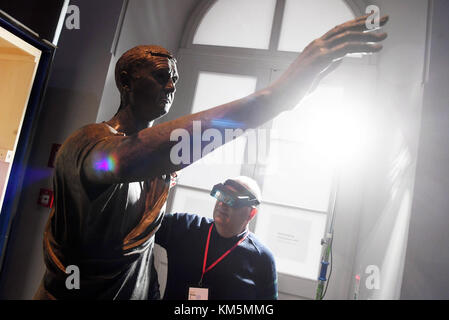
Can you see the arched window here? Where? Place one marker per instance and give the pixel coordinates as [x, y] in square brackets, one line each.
[304, 21]
[236, 23]
[232, 48]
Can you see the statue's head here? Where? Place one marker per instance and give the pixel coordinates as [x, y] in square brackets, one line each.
[146, 76]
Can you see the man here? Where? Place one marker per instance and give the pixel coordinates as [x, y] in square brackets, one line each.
[112, 179]
[219, 259]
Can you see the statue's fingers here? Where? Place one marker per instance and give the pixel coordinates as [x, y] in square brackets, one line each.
[342, 27]
[361, 25]
[358, 24]
[355, 36]
[353, 47]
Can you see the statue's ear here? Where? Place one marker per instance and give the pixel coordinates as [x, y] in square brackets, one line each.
[125, 80]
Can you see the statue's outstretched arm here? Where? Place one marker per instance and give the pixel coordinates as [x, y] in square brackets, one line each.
[147, 154]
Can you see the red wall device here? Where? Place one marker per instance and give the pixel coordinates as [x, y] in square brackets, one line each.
[45, 198]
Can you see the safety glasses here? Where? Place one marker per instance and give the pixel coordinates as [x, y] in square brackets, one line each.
[231, 198]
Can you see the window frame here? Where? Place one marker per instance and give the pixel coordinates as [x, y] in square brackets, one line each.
[356, 6]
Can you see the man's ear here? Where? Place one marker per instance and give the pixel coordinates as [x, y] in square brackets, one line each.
[252, 213]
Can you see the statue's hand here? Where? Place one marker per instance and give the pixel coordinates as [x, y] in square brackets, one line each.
[323, 54]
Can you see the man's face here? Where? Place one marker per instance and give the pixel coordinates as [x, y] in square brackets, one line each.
[153, 88]
[230, 221]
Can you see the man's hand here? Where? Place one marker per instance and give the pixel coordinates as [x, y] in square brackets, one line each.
[323, 55]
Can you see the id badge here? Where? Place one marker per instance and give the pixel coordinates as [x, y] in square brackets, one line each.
[198, 293]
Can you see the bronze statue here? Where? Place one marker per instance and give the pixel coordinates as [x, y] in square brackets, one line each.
[112, 179]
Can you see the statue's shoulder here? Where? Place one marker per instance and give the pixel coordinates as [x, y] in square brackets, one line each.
[95, 129]
[92, 131]
[86, 135]
[82, 140]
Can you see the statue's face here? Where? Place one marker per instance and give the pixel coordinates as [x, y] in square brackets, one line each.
[153, 87]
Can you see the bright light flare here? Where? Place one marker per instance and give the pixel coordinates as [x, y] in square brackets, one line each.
[336, 127]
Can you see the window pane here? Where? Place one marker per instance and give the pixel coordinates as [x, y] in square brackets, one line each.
[298, 175]
[294, 236]
[188, 200]
[306, 20]
[219, 165]
[302, 155]
[314, 119]
[237, 23]
[215, 89]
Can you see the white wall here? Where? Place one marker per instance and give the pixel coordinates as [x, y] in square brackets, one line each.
[427, 259]
[390, 174]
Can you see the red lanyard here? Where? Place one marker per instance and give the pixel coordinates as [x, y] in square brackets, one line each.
[219, 259]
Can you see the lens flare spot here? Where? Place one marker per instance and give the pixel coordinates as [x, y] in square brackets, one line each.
[225, 123]
[105, 164]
